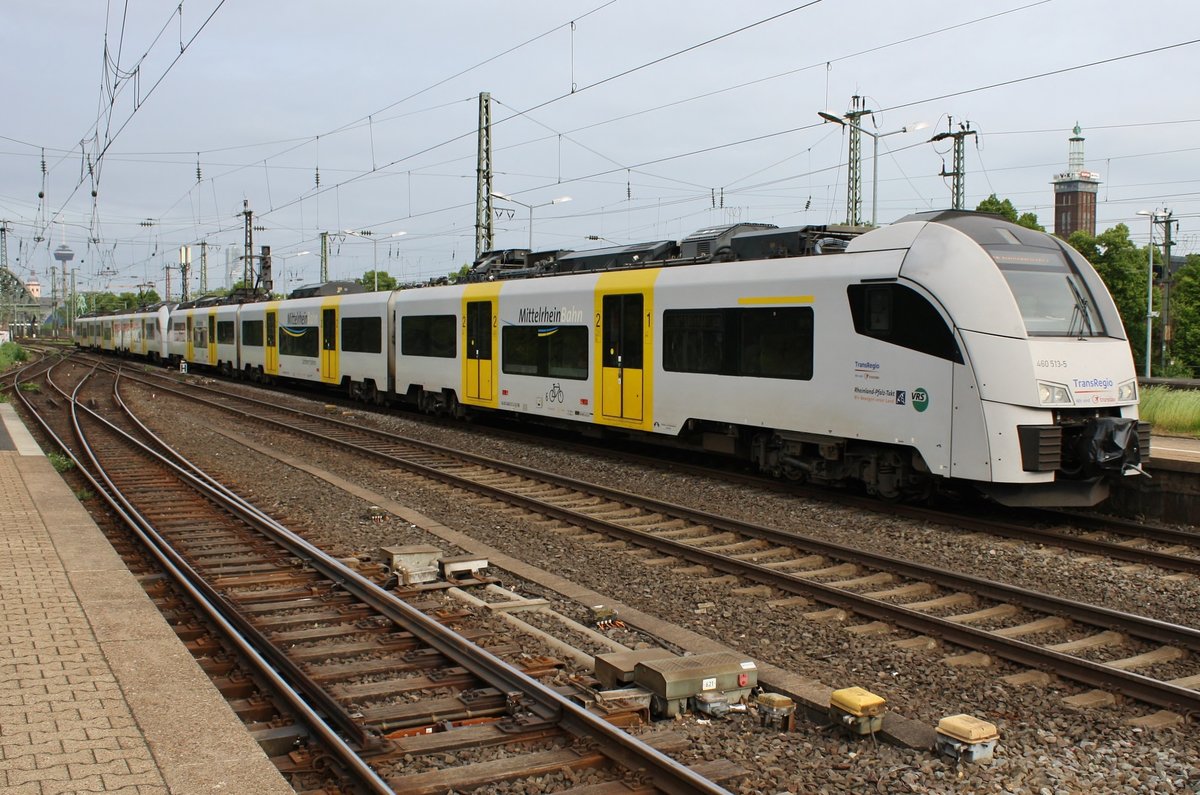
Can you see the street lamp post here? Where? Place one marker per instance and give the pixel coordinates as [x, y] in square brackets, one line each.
[531, 208]
[847, 122]
[285, 258]
[1154, 217]
[367, 234]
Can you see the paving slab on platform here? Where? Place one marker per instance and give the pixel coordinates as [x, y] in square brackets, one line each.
[97, 693]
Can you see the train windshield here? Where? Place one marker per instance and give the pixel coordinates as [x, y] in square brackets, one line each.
[1053, 298]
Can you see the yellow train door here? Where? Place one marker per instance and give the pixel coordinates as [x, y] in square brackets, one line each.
[480, 344]
[329, 344]
[212, 338]
[191, 345]
[623, 359]
[271, 349]
[624, 340]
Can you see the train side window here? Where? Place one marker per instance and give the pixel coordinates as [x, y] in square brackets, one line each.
[225, 335]
[362, 334]
[694, 341]
[519, 350]
[776, 343]
[899, 315]
[429, 335]
[252, 333]
[557, 352]
[567, 352]
[299, 341]
[879, 310]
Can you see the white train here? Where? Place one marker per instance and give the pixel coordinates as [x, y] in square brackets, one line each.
[949, 347]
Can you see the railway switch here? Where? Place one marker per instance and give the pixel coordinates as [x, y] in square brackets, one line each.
[967, 738]
[857, 710]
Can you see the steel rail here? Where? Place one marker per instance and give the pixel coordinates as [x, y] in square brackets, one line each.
[1165, 560]
[1094, 674]
[186, 579]
[1152, 629]
[666, 774]
[1108, 524]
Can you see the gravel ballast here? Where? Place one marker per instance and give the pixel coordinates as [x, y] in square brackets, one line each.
[1045, 746]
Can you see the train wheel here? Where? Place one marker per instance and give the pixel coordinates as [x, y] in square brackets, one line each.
[795, 474]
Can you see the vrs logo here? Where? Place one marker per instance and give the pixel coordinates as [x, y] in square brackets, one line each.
[920, 399]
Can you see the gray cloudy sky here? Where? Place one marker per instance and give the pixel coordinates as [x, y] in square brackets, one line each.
[381, 99]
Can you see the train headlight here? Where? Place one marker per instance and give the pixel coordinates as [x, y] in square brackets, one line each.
[1127, 392]
[1051, 394]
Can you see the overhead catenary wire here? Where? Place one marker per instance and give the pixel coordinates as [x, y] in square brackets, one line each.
[414, 170]
[110, 139]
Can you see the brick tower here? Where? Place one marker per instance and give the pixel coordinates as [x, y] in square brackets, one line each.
[1075, 193]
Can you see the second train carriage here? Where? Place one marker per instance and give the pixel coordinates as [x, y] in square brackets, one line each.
[339, 340]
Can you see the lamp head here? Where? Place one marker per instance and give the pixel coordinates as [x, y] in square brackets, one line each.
[831, 116]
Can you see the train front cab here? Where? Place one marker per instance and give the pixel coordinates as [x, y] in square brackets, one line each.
[1046, 402]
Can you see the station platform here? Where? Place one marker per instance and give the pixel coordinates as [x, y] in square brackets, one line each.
[1174, 448]
[97, 694]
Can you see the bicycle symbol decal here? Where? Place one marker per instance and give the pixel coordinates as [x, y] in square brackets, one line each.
[555, 393]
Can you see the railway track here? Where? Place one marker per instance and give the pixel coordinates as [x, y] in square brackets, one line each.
[316, 630]
[1133, 542]
[1077, 641]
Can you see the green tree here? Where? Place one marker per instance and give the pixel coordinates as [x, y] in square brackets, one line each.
[1004, 207]
[113, 302]
[386, 280]
[1184, 358]
[1122, 266]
